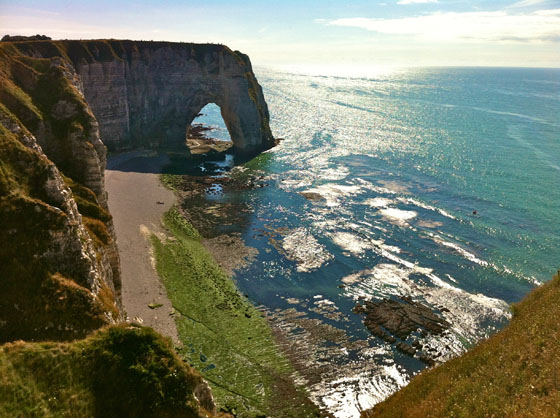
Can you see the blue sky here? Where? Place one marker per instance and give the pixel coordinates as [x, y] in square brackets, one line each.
[316, 33]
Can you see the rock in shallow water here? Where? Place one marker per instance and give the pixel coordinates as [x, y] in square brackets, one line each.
[402, 318]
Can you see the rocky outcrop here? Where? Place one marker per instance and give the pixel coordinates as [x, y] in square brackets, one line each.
[389, 318]
[59, 263]
[146, 94]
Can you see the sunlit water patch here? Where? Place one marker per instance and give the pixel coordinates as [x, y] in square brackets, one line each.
[430, 187]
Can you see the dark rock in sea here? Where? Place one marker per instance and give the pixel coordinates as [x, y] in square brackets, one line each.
[401, 319]
[313, 196]
[427, 360]
[405, 348]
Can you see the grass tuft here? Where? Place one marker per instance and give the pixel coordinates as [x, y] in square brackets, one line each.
[119, 371]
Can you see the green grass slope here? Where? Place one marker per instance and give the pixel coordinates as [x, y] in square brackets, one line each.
[514, 373]
[224, 336]
[120, 371]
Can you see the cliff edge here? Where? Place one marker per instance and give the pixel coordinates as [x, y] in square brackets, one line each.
[60, 275]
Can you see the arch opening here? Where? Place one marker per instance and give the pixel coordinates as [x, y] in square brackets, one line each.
[208, 132]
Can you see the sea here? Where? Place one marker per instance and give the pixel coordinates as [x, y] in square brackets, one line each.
[437, 185]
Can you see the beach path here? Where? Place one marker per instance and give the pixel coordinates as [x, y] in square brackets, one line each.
[137, 201]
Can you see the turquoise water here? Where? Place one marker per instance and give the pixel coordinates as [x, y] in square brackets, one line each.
[438, 184]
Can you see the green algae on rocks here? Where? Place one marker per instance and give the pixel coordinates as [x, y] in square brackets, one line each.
[224, 336]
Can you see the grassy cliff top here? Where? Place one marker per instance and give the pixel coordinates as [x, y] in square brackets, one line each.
[102, 50]
[514, 373]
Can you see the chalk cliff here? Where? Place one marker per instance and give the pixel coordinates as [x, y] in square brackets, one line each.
[147, 93]
[57, 100]
[59, 266]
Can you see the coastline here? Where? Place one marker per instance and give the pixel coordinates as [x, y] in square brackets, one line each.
[166, 261]
[129, 179]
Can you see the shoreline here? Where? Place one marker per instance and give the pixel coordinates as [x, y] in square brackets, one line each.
[137, 201]
[166, 261]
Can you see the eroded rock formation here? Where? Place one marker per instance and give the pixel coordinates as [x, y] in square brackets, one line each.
[402, 318]
[59, 264]
[146, 94]
[57, 100]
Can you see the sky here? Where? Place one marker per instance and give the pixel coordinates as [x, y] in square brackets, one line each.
[318, 32]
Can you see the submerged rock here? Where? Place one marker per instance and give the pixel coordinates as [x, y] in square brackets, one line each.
[389, 318]
[400, 318]
[313, 196]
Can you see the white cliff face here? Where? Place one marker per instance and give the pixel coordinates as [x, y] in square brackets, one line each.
[66, 97]
[149, 93]
[83, 153]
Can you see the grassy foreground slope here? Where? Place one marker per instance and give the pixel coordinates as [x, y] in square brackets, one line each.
[120, 371]
[514, 373]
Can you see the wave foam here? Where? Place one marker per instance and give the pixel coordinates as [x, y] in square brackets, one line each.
[302, 247]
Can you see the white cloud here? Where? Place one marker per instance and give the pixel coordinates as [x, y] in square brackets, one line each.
[551, 12]
[417, 1]
[469, 26]
[526, 3]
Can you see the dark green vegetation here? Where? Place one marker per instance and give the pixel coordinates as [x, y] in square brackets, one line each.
[224, 336]
[514, 373]
[120, 371]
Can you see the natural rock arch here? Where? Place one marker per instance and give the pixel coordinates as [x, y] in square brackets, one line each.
[229, 118]
[145, 93]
